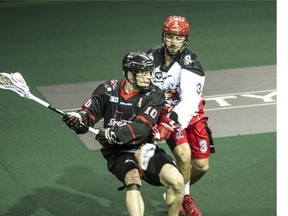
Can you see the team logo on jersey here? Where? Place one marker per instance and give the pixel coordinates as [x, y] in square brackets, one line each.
[111, 86]
[158, 75]
[114, 99]
[188, 60]
[179, 134]
[173, 86]
[114, 122]
[199, 88]
[172, 95]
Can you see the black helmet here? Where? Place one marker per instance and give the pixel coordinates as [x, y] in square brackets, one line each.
[137, 62]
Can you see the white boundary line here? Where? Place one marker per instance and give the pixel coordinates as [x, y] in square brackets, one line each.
[211, 109]
[240, 93]
[221, 95]
[238, 107]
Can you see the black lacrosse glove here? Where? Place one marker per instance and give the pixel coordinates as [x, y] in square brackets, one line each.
[74, 121]
[108, 135]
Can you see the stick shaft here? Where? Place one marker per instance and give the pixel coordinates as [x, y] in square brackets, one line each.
[15, 82]
[38, 100]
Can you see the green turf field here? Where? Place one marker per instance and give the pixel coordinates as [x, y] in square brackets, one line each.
[45, 169]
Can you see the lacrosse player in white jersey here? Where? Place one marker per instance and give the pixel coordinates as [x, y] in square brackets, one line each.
[178, 72]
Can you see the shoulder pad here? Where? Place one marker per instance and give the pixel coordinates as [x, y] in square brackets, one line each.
[156, 55]
[191, 62]
[157, 92]
[154, 49]
[111, 84]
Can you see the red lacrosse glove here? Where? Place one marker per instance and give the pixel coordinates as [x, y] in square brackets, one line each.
[167, 109]
[164, 128]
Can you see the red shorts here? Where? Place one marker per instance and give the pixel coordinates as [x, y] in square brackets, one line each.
[197, 134]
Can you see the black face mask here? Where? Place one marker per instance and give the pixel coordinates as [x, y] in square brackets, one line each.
[143, 89]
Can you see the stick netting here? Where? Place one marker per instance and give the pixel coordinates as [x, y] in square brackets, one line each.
[14, 82]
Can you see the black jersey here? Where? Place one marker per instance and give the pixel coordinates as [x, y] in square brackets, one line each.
[134, 114]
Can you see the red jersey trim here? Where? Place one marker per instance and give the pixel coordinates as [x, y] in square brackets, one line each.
[124, 94]
[132, 132]
[145, 120]
[90, 115]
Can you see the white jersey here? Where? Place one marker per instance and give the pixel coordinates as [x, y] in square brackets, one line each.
[182, 81]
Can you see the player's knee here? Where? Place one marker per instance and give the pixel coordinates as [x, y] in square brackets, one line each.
[179, 183]
[183, 154]
[133, 177]
[204, 168]
[171, 177]
[201, 165]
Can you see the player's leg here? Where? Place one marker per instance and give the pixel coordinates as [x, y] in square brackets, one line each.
[128, 174]
[173, 180]
[134, 200]
[180, 148]
[162, 171]
[199, 140]
[198, 168]
[182, 155]
[200, 152]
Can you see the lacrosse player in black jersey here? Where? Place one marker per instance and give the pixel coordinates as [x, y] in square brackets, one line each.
[131, 108]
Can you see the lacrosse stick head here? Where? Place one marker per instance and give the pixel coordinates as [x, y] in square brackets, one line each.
[15, 82]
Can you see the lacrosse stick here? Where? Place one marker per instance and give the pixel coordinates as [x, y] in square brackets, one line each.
[15, 82]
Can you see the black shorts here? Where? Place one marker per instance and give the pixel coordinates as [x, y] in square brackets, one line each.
[121, 163]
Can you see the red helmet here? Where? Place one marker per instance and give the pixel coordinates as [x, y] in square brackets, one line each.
[176, 25]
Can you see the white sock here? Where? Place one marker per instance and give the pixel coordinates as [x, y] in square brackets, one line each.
[187, 188]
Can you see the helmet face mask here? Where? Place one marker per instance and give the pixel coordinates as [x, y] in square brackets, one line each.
[142, 80]
[175, 34]
[174, 44]
[137, 68]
